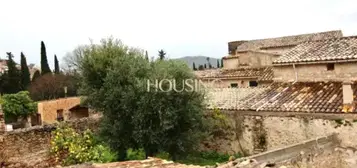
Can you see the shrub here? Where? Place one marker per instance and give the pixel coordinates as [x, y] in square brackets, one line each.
[135, 154]
[70, 147]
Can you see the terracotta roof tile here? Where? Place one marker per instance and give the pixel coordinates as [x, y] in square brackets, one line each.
[344, 48]
[264, 73]
[287, 40]
[311, 97]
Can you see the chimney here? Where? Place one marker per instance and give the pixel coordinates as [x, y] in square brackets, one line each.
[2, 121]
[347, 94]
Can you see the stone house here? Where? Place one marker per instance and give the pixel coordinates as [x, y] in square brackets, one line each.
[59, 110]
[250, 63]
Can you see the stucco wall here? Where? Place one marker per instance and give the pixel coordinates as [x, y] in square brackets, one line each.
[231, 63]
[316, 72]
[48, 109]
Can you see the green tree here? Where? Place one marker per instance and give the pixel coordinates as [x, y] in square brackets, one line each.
[18, 105]
[45, 68]
[218, 66]
[208, 62]
[146, 55]
[205, 66]
[162, 54]
[35, 75]
[201, 67]
[57, 69]
[194, 66]
[12, 76]
[222, 63]
[25, 73]
[135, 116]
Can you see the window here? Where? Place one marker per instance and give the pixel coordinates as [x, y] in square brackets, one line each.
[60, 115]
[330, 67]
[234, 85]
[253, 83]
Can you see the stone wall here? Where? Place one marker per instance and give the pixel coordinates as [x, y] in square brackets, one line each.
[251, 133]
[230, 63]
[316, 72]
[34, 142]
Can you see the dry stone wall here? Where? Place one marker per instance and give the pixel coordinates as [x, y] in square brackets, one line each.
[33, 143]
[251, 133]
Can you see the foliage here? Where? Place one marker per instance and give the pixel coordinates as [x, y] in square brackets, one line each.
[11, 79]
[45, 68]
[205, 66]
[51, 86]
[57, 69]
[135, 154]
[201, 67]
[115, 82]
[194, 66]
[70, 147]
[25, 73]
[146, 56]
[218, 66]
[18, 105]
[73, 59]
[222, 63]
[162, 54]
[35, 75]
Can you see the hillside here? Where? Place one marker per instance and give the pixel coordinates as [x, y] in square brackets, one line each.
[199, 60]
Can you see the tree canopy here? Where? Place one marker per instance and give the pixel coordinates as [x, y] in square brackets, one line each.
[45, 68]
[19, 104]
[114, 82]
[25, 73]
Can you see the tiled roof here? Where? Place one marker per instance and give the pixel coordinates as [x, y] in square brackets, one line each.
[324, 50]
[320, 97]
[231, 98]
[150, 162]
[264, 73]
[287, 40]
[267, 75]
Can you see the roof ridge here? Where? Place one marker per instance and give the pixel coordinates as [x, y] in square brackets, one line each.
[304, 34]
[330, 39]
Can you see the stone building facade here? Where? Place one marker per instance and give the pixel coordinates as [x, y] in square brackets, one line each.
[61, 110]
[268, 56]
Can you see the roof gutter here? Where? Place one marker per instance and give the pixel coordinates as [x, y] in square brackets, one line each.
[316, 62]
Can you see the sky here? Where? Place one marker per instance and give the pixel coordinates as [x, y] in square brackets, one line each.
[180, 27]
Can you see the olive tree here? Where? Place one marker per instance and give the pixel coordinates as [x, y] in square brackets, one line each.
[135, 115]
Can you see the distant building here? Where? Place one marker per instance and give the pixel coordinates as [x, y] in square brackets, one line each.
[62, 109]
[4, 68]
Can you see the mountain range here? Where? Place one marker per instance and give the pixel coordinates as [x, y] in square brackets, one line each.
[199, 60]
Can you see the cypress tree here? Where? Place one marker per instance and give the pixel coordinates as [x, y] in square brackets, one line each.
[218, 64]
[57, 70]
[13, 84]
[194, 66]
[222, 63]
[25, 73]
[162, 54]
[36, 75]
[146, 55]
[44, 64]
[205, 66]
